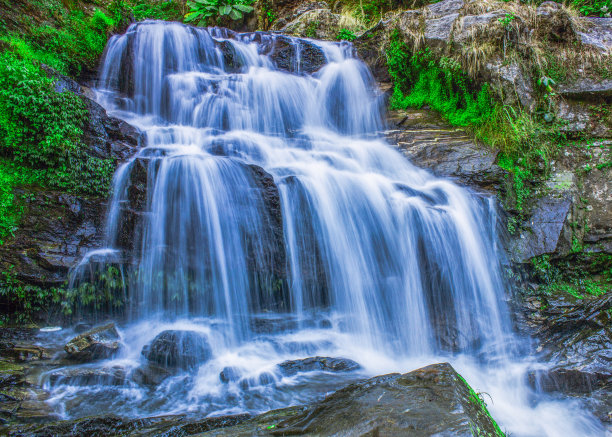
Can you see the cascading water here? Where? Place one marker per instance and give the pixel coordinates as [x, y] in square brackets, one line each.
[267, 213]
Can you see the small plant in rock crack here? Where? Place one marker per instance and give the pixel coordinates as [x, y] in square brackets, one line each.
[206, 12]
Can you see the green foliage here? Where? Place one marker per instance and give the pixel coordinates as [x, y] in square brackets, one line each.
[507, 20]
[103, 292]
[207, 12]
[40, 138]
[78, 43]
[11, 176]
[346, 35]
[23, 303]
[421, 80]
[311, 30]
[164, 10]
[585, 274]
[594, 8]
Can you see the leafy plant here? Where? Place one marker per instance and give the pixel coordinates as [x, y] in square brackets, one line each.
[594, 8]
[346, 35]
[206, 12]
[421, 80]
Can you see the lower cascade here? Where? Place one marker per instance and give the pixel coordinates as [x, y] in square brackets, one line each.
[273, 247]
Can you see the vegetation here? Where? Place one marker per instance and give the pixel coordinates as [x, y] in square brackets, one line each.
[103, 294]
[346, 35]
[208, 12]
[581, 275]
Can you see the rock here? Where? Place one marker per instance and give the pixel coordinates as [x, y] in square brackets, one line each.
[434, 400]
[26, 353]
[178, 349]
[315, 23]
[99, 343]
[567, 380]
[575, 337]
[445, 7]
[438, 30]
[283, 54]
[150, 374]
[598, 34]
[582, 119]
[88, 376]
[326, 364]
[231, 60]
[586, 89]
[229, 374]
[369, 48]
[512, 85]
[470, 25]
[55, 231]
[431, 143]
[549, 229]
[169, 425]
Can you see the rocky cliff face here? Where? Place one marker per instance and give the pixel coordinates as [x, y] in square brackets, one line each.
[58, 228]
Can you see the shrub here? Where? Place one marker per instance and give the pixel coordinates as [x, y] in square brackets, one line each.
[207, 12]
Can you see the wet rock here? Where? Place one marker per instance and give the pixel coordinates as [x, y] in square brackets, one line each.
[99, 343]
[598, 34]
[55, 231]
[229, 374]
[327, 364]
[231, 60]
[567, 380]
[150, 374]
[431, 143]
[434, 400]
[178, 349]
[575, 336]
[26, 353]
[170, 425]
[88, 376]
[284, 55]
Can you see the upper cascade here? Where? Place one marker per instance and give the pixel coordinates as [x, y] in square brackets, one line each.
[270, 188]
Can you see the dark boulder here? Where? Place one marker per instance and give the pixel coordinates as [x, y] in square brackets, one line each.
[284, 53]
[99, 343]
[178, 349]
[434, 400]
[327, 364]
[567, 380]
[229, 374]
[150, 374]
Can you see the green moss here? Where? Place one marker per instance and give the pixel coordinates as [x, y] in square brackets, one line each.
[583, 274]
[479, 403]
[420, 79]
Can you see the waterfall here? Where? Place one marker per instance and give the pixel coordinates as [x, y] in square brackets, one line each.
[406, 259]
[266, 211]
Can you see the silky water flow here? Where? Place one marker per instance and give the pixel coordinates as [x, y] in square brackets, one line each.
[266, 213]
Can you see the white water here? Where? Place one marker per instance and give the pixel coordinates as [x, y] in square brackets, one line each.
[383, 263]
